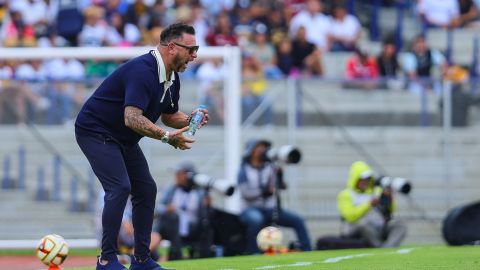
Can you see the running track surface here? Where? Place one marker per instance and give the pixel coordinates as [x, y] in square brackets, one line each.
[33, 263]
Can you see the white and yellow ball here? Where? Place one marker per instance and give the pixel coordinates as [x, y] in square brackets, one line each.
[52, 250]
[269, 238]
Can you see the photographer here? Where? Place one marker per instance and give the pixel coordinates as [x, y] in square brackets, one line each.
[182, 213]
[367, 209]
[258, 179]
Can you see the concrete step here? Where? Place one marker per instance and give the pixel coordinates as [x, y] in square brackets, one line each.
[414, 153]
[462, 50]
[23, 218]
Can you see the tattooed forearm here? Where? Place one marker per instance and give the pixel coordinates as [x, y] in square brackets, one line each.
[140, 124]
[176, 120]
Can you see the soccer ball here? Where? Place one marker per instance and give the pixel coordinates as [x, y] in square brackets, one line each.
[269, 238]
[52, 250]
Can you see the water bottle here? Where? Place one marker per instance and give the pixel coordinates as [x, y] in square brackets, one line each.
[218, 251]
[197, 118]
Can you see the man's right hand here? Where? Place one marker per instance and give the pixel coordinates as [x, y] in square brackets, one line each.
[374, 201]
[267, 192]
[179, 141]
[171, 208]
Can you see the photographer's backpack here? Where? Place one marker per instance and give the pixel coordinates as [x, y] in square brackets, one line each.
[461, 225]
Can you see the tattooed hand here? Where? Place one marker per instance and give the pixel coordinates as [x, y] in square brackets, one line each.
[179, 141]
[140, 124]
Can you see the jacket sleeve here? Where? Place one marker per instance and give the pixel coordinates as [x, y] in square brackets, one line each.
[350, 73]
[165, 201]
[393, 206]
[202, 212]
[350, 212]
[247, 193]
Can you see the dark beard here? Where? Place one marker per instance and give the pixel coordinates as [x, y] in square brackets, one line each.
[177, 63]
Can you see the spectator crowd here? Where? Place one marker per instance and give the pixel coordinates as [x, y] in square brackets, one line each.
[277, 38]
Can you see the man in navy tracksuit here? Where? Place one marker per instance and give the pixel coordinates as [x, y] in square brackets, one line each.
[122, 110]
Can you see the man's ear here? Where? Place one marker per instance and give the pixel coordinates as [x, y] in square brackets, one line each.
[171, 48]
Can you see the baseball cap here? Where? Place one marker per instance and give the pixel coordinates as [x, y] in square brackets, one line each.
[185, 166]
[366, 175]
[260, 28]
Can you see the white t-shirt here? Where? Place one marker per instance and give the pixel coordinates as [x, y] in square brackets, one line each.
[209, 74]
[93, 36]
[409, 60]
[257, 180]
[208, 71]
[347, 29]
[6, 73]
[215, 7]
[27, 72]
[439, 12]
[35, 12]
[131, 35]
[186, 204]
[201, 31]
[317, 27]
[65, 69]
[45, 42]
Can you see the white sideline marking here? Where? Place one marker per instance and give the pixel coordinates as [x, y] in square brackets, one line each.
[348, 257]
[328, 260]
[404, 251]
[297, 264]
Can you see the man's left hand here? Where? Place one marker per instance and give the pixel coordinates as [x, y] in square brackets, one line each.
[205, 117]
[179, 141]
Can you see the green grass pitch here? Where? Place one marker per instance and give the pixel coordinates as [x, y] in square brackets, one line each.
[404, 258]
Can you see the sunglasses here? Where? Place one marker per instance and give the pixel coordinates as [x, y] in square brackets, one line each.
[191, 49]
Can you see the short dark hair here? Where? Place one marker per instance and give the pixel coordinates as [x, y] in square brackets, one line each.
[420, 37]
[360, 52]
[175, 31]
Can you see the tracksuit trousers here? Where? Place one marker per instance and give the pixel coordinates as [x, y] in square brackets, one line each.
[122, 170]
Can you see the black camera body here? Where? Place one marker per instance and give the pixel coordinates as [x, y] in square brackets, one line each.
[392, 184]
[286, 154]
[385, 205]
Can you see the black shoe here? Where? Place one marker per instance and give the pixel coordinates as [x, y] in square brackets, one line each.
[149, 264]
[111, 265]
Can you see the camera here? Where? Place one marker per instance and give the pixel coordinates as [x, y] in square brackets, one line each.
[222, 186]
[397, 184]
[287, 153]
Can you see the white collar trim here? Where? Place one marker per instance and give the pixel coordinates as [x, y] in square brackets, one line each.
[162, 73]
[162, 77]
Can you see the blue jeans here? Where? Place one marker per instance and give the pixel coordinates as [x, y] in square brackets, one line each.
[256, 218]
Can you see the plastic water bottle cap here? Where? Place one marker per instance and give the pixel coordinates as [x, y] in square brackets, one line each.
[203, 106]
